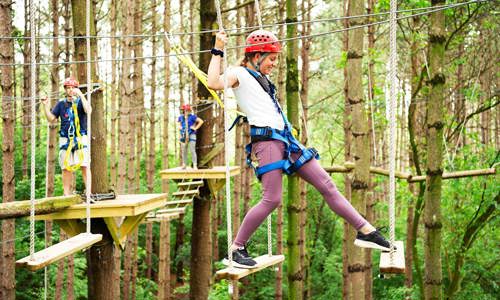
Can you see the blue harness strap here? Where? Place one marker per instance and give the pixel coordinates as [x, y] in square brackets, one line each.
[71, 134]
[292, 145]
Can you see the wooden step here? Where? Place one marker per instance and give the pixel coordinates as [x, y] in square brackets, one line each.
[263, 262]
[170, 210]
[185, 194]
[398, 265]
[59, 251]
[190, 183]
[162, 217]
[178, 202]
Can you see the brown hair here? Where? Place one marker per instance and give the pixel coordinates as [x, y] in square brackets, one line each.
[247, 58]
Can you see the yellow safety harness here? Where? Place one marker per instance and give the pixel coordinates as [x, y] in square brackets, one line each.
[71, 137]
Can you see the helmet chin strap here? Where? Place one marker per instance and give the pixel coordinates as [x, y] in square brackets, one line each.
[261, 59]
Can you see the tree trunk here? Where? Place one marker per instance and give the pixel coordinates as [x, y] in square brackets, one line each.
[179, 241]
[166, 92]
[164, 261]
[149, 250]
[357, 268]
[304, 77]
[435, 121]
[133, 279]
[139, 95]
[370, 197]
[127, 267]
[279, 216]
[200, 243]
[127, 94]
[60, 271]
[100, 263]
[151, 162]
[113, 101]
[26, 128]
[8, 280]
[295, 275]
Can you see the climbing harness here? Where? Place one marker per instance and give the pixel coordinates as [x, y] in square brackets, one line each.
[292, 145]
[74, 137]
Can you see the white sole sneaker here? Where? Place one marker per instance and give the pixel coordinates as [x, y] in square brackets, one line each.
[237, 265]
[365, 244]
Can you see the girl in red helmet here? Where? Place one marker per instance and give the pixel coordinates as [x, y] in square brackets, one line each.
[188, 124]
[73, 140]
[273, 145]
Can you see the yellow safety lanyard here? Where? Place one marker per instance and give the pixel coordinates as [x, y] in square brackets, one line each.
[71, 137]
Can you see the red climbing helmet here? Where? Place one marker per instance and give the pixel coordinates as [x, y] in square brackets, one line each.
[262, 41]
[186, 107]
[70, 81]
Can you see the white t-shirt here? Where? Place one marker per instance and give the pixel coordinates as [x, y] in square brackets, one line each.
[255, 102]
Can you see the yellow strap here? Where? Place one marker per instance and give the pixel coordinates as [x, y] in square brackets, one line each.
[202, 76]
[67, 166]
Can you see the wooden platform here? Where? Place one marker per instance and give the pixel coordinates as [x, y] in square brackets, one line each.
[217, 172]
[121, 215]
[399, 260]
[263, 262]
[59, 251]
[122, 206]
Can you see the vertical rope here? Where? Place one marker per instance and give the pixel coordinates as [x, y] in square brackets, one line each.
[33, 120]
[392, 125]
[226, 151]
[269, 217]
[88, 187]
[257, 12]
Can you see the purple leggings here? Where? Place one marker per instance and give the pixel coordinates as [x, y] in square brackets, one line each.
[271, 151]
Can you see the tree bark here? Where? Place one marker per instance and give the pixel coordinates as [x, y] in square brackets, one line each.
[435, 122]
[151, 161]
[166, 91]
[139, 94]
[200, 243]
[357, 268]
[164, 261]
[8, 280]
[295, 274]
[100, 263]
[113, 101]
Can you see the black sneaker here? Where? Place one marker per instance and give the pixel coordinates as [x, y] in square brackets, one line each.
[241, 259]
[373, 240]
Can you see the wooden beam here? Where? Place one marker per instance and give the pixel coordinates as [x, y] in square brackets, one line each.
[72, 227]
[189, 193]
[217, 172]
[115, 232]
[459, 174]
[349, 166]
[263, 262]
[59, 251]
[195, 183]
[42, 206]
[128, 225]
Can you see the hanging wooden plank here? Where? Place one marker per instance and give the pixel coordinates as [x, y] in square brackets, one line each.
[59, 251]
[171, 210]
[398, 265]
[263, 262]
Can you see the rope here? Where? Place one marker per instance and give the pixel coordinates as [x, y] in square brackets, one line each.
[430, 10]
[226, 153]
[88, 187]
[269, 217]
[246, 28]
[392, 126]
[33, 128]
